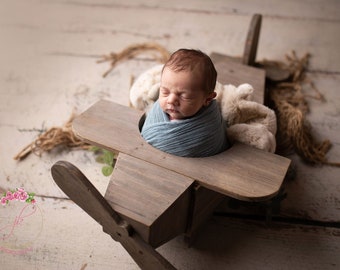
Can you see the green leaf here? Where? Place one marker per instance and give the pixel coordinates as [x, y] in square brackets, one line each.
[107, 170]
[108, 157]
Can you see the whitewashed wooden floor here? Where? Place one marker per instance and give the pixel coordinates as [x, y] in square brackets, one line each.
[48, 53]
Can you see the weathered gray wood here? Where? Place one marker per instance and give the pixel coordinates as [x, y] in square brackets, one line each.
[48, 67]
[231, 71]
[204, 202]
[250, 48]
[83, 193]
[154, 200]
[248, 244]
[242, 172]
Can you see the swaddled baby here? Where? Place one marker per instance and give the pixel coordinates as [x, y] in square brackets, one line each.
[186, 120]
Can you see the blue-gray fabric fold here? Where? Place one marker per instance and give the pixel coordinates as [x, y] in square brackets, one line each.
[202, 135]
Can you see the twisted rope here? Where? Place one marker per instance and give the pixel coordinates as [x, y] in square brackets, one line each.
[294, 130]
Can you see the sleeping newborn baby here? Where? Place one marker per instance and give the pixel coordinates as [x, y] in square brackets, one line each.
[186, 120]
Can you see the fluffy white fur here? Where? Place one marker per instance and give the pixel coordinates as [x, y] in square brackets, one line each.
[247, 121]
[144, 91]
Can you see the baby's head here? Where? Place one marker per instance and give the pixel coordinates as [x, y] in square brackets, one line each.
[187, 83]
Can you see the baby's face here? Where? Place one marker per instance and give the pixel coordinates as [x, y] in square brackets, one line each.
[180, 94]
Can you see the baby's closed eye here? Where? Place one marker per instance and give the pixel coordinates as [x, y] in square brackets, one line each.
[164, 91]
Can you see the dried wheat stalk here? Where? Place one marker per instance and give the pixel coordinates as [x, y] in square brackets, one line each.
[53, 137]
[134, 50]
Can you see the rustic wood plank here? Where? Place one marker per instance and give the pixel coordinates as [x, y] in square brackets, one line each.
[84, 194]
[290, 9]
[313, 193]
[242, 172]
[252, 40]
[154, 200]
[225, 31]
[204, 202]
[223, 243]
[231, 71]
[80, 190]
[48, 53]
[247, 244]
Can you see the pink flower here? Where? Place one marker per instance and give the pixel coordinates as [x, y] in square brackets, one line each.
[19, 195]
[16, 195]
[9, 195]
[3, 201]
[20, 190]
[23, 197]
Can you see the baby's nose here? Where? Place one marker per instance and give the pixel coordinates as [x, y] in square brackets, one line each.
[172, 99]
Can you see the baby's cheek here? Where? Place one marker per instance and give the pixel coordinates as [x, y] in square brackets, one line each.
[191, 108]
[162, 103]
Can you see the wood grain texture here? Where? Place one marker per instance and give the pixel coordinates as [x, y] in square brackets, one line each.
[84, 194]
[241, 172]
[154, 200]
[204, 202]
[248, 244]
[250, 48]
[231, 71]
[48, 68]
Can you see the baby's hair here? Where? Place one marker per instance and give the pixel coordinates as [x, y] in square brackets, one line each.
[190, 60]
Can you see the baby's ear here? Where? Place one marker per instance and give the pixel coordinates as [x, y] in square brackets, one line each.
[209, 98]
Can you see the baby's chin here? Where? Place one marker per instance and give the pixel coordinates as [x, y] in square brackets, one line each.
[173, 114]
[177, 116]
[174, 117]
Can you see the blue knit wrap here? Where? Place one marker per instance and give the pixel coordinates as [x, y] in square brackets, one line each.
[202, 135]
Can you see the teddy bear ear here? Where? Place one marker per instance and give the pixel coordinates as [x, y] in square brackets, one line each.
[144, 90]
[154, 91]
[245, 91]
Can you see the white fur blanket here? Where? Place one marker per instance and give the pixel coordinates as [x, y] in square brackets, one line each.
[247, 121]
